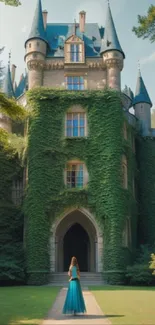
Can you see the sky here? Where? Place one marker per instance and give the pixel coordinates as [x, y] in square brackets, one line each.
[15, 25]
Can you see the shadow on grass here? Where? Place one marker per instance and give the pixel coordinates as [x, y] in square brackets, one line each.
[121, 288]
[83, 317]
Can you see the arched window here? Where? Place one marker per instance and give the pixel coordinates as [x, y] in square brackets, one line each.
[127, 238]
[76, 175]
[29, 45]
[76, 122]
[17, 191]
[124, 172]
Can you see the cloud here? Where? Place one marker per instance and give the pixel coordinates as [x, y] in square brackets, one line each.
[148, 59]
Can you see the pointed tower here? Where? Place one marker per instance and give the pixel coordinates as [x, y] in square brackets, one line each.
[142, 105]
[112, 53]
[36, 48]
[8, 86]
[5, 122]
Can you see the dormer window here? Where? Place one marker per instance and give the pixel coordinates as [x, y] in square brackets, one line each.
[74, 50]
[75, 53]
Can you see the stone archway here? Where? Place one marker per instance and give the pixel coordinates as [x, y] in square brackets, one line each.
[81, 222]
[76, 242]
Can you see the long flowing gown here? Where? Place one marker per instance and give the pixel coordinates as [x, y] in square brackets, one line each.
[74, 302]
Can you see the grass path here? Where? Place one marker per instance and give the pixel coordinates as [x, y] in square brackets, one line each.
[25, 305]
[127, 305]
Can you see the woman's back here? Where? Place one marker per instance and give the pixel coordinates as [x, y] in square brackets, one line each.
[74, 272]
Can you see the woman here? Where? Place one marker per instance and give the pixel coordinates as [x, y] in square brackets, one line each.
[74, 302]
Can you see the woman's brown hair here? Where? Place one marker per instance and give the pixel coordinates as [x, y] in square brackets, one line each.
[74, 262]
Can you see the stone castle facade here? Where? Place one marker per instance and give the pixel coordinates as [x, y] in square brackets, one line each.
[78, 56]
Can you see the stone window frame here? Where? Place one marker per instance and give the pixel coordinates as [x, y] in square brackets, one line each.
[77, 109]
[124, 172]
[17, 191]
[79, 85]
[76, 162]
[74, 40]
[127, 234]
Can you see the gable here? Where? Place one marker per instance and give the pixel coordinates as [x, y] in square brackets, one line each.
[75, 39]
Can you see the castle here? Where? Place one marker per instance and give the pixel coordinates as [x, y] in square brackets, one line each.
[81, 57]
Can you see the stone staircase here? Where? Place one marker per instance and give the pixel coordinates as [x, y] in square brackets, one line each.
[86, 279]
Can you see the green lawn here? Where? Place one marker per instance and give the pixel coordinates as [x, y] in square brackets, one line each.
[127, 305]
[25, 305]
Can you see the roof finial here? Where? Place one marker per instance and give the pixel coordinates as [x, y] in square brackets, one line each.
[108, 2]
[74, 26]
[139, 67]
[9, 58]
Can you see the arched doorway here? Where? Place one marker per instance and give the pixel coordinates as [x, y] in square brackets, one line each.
[76, 243]
[81, 222]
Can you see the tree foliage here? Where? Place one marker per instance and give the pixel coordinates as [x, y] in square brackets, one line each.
[152, 263]
[10, 108]
[1, 69]
[146, 28]
[14, 3]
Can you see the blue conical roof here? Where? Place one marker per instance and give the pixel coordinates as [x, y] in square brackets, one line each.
[141, 95]
[110, 41]
[37, 29]
[8, 86]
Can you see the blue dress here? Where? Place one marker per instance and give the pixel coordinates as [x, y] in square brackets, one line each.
[74, 302]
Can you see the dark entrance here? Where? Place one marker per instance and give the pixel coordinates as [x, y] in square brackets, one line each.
[76, 243]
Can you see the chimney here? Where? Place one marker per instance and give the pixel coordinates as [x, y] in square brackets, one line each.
[13, 72]
[45, 13]
[82, 21]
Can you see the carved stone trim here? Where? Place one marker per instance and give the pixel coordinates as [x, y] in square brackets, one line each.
[54, 65]
[99, 65]
[113, 63]
[42, 65]
[59, 64]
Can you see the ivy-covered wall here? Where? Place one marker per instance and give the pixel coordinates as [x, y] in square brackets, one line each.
[145, 148]
[101, 151]
[11, 217]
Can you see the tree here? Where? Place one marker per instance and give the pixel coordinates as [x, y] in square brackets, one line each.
[153, 119]
[14, 3]
[152, 263]
[146, 28]
[1, 69]
[10, 108]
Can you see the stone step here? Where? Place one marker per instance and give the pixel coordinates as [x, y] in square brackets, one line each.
[86, 279]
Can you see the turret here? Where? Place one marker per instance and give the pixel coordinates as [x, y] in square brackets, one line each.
[36, 47]
[5, 122]
[127, 98]
[142, 105]
[112, 53]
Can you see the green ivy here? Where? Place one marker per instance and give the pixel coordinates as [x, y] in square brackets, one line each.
[11, 221]
[146, 164]
[101, 151]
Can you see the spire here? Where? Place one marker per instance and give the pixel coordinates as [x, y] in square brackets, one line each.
[141, 94]
[8, 86]
[110, 41]
[37, 29]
